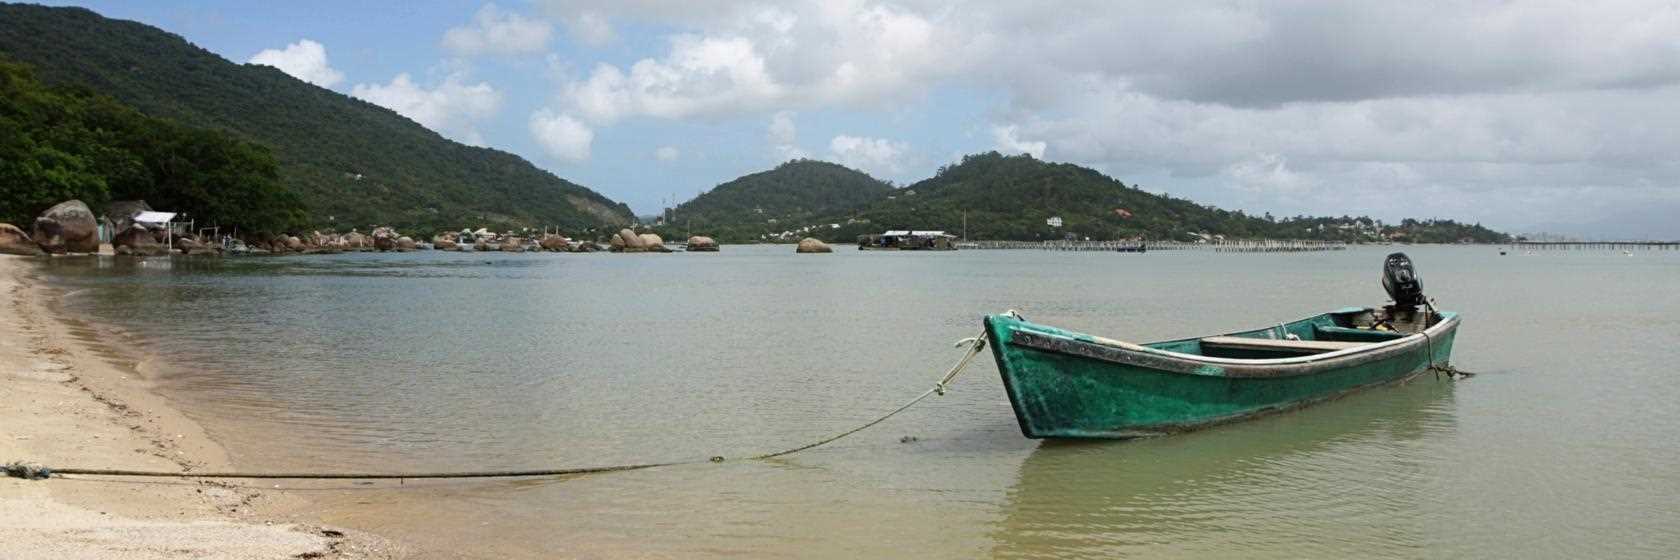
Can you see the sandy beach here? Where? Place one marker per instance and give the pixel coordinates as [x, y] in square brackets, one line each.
[70, 402]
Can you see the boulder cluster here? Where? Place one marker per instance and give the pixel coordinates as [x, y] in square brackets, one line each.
[317, 243]
[71, 227]
[627, 241]
[509, 243]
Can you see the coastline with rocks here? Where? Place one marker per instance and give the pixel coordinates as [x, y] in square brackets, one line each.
[70, 228]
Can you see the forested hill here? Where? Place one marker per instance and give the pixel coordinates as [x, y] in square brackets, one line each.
[64, 143]
[353, 163]
[1017, 197]
[795, 192]
[1008, 198]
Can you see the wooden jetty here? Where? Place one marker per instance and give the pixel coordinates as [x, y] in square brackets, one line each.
[1596, 245]
[1134, 246]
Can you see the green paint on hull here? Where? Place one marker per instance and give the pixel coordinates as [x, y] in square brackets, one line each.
[1064, 384]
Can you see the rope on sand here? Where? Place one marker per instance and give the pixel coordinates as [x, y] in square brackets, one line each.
[37, 472]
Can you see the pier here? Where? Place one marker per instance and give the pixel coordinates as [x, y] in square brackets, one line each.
[1240, 246]
[1597, 245]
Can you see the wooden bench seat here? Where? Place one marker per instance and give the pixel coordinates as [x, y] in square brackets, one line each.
[1301, 346]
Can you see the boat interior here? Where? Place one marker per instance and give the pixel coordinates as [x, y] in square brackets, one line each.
[1330, 332]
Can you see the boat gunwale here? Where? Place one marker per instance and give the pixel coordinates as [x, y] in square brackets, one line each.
[1116, 351]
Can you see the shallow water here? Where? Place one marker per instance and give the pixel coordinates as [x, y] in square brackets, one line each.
[1564, 445]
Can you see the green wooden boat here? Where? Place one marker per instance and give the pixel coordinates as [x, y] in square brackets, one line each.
[1065, 384]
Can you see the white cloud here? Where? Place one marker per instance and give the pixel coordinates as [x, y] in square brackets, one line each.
[591, 28]
[1499, 111]
[784, 137]
[1009, 143]
[667, 153]
[748, 58]
[305, 60]
[782, 129]
[1265, 173]
[495, 31]
[877, 156]
[561, 136]
[701, 75]
[452, 107]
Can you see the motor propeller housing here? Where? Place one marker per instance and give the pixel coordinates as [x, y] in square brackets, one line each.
[1401, 281]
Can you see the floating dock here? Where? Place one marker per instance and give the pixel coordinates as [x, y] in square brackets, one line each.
[1245, 246]
[1596, 245]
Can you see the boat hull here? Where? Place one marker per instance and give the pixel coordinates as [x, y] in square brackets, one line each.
[1064, 384]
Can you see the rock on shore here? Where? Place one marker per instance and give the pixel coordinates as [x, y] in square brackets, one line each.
[68, 227]
[385, 239]
[14, 241]
[194, 247]
[138, 241]
[512, 244]
[627, 241]
[355, 241]
[702, 243]
[654, 244]
[813, 245]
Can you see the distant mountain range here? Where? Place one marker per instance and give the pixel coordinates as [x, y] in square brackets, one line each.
[993, 196]
[353, 163]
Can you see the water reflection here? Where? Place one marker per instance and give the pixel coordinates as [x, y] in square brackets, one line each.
[1340, 479]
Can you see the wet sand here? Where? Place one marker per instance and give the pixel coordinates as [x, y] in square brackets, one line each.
[69, 400]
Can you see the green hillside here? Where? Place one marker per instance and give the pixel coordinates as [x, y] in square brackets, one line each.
[1012, 197]
[64, 143]
[793, 193]
[1015, 197]
[1005, 198]
[353, 163]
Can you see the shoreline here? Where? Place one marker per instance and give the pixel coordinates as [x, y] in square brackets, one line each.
[71, 400]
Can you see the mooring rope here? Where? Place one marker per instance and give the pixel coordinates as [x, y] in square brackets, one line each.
[974, 345]
[37, 472]
[1452, 372]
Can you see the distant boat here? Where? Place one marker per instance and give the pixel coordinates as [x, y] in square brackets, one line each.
[908, 240]
[1065, 384]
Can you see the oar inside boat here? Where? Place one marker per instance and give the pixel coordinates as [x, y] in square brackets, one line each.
[1066, 384]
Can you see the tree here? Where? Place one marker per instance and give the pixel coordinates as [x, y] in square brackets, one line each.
[58, 144]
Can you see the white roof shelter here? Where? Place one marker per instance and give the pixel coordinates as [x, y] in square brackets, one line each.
[159, 218]
[154, 217]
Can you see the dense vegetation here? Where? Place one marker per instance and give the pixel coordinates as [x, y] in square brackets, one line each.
[354, 163]
[58, 144]
[1443, 231]
[1014, 198]
[794, 193]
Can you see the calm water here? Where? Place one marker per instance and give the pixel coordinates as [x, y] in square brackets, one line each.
[1566, 445]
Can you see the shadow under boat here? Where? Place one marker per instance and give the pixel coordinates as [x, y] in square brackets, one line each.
[1200, 493]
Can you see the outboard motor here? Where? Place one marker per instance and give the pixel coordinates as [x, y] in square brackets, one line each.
[1401, 281]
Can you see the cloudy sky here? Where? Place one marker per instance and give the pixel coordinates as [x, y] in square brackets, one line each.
[1527, 116]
